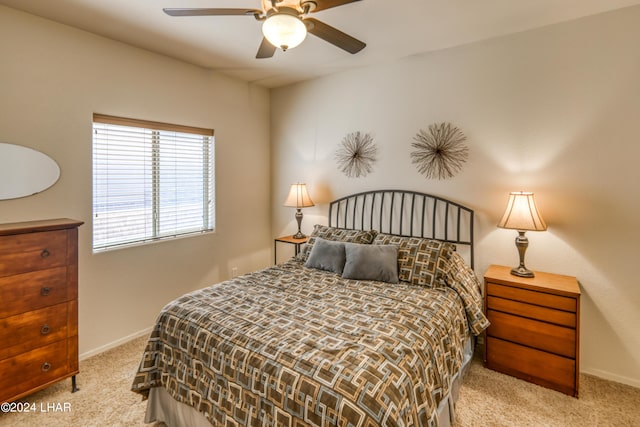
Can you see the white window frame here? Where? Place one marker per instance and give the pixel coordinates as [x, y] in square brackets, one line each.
[156, 219]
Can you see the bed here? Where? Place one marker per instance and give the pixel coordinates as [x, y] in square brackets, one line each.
[371, 324]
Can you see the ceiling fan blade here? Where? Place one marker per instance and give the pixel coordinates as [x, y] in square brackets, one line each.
[334, 36]
[328, 4]
[266, 49]
[211, 12]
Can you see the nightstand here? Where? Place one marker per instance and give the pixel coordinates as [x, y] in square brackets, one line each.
[535, 327]
[290, 240]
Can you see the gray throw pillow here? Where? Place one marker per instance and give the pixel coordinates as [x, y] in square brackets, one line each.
[327, 255]
[371, 262]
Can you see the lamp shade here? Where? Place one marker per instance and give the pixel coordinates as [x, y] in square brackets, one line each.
[284, 30]
[298, 197]
[521, 213]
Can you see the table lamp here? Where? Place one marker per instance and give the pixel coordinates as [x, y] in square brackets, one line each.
[522, 215]
[298, 198]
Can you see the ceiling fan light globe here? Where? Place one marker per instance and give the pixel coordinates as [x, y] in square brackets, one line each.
[284, 31]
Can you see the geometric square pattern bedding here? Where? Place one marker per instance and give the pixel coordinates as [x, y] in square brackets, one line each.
[295, 346]
[422, 262]
[461, 278]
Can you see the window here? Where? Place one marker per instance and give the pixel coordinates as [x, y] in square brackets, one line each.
[151, 181]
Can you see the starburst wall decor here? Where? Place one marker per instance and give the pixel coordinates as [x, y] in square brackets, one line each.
[440, 151]
[357, 154]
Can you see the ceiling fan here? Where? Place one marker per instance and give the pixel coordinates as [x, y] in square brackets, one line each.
[286, 23]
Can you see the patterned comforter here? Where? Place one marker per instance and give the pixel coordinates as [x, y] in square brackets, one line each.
[295, 346]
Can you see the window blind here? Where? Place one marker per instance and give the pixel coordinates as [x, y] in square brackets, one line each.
[151, 181]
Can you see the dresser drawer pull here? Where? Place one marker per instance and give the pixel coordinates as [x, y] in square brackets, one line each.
[45, 253]
[45, 329]
[45, 291]
[46, 366]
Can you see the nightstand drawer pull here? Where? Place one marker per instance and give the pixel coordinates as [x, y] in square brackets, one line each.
[46, 366]
[45, 329]
[45, 253]
[45, 291]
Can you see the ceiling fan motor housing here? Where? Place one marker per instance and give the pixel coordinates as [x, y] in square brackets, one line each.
[302, 6]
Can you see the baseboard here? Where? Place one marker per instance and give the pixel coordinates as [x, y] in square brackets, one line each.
[115, 343]
[611, 377]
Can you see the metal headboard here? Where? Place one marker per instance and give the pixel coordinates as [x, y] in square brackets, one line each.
[405, 213]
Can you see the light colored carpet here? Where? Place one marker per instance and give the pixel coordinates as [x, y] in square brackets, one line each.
[487, 398]
[104, 398]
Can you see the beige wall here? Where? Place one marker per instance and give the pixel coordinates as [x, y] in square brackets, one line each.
[555, 111]
[52, 78]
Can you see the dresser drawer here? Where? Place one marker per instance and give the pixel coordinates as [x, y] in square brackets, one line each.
[30, 291]
[551, 315]
[32, 251]
[33, 369]
[539, 367]
[532, 297]
[33, 329]
[532, 333]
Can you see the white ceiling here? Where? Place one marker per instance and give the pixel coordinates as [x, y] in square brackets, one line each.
[391, 29]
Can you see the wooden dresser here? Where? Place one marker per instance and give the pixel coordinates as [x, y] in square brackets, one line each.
[38, 305]
[535, 327]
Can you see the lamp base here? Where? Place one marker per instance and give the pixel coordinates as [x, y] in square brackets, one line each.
[522, 243]
[299, 234]
[521, 271]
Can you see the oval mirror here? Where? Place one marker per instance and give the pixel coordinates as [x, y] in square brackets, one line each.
[24, 171]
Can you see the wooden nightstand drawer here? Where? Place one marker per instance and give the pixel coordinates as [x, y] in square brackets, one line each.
[536, 366]
[532, 333]
[532, 297]
[32, 251]
[31, 369]
[559, 317]
[29, 291]
[33, 329]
